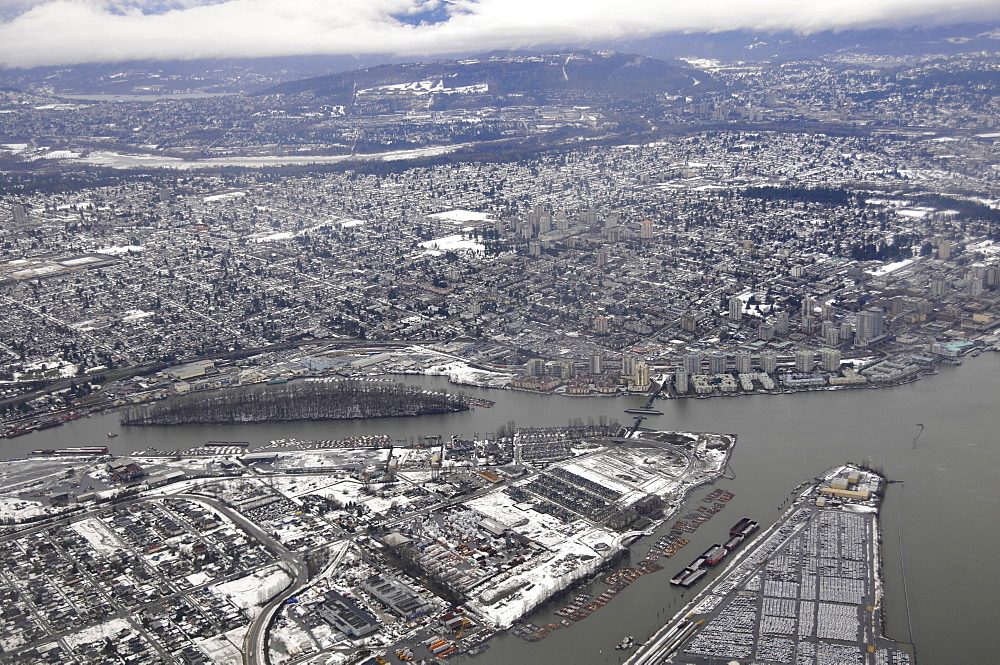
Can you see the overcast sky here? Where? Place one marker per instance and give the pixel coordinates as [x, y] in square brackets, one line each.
[53, 32]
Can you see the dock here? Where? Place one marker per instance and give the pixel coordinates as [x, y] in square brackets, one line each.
[806, 590]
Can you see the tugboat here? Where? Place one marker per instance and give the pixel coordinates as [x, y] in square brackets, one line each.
[626, 643]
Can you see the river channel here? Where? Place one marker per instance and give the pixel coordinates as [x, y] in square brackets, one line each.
[947, 508]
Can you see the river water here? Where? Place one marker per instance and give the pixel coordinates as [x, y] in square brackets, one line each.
[947, 508]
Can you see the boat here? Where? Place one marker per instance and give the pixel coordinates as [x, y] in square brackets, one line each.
[679, 577]
[645, 412]
[88, 450]
[693, 577]
[716, 556]
[739, 526]
[112, 435]
[626, 643]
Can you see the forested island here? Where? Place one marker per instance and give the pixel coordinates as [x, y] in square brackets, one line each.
[340, 400]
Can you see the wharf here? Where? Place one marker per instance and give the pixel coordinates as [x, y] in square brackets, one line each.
[806, 591]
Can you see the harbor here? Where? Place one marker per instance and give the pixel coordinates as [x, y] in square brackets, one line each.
[809, 590]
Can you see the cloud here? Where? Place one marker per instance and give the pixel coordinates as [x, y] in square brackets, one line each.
[55, 32]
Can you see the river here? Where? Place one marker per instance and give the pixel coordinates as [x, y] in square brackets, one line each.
[947, 507]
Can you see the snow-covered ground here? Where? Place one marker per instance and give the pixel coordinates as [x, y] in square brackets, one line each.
[98, 632]
[223, 649]
[532, 583]
[890, 267]
[223, 197]
[117, 160]
[439, 246]
[461, 373]
[271, 237]
[254, 591]
[19, 509]
[97, 535]
[118, 250]
[134, 315]
[461, 216]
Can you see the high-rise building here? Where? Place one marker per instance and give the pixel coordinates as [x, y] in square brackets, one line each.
[601, 325]
[808, 325]
[536, 212]
[561, 220]
[628, 364]
[681, 381]
[765, 331]
[878, 321]
[595, 364]
[829, 359]
[781, 323]
[717, 362]
[944, 249]
[544, 223]
[803, 360]
[808, 306]
[612, 220]
[744, 361]
[768, 361]
[974, 284]
[827, 312]
[641, 376]
[602, 258]
[992, 276]
[870, 324]
[938, 287]
[646, 231]
[831, 337]
[534, 248]
[735, 308]
[535, 367]
[692, 363]
[689, 322]
[19, 213]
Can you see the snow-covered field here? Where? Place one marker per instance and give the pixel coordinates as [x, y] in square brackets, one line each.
[461, 216]
[223, 649]
[223, 197]
[254, 590]
[117, 160]
[97, 535]
[98, 632]
[890, 267]
[118, 250]
[20, 509]
[462, 374]
[456, 242]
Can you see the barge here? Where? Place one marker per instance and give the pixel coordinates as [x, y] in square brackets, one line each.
[716, 556]
[87, 450]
